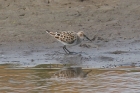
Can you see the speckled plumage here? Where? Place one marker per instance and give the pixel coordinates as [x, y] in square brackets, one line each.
[65, 37]
[68, 37]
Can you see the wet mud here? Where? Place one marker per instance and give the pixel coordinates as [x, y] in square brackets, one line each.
[112, 54]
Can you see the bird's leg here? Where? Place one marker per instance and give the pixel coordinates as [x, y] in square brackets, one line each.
[66, 50]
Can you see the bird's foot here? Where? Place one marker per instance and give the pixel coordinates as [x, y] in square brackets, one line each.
[72, 53]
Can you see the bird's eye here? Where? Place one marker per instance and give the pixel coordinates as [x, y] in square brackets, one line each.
[81, 34]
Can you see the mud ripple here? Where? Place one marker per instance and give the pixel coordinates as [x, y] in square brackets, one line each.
[118, 52]
[105, 58]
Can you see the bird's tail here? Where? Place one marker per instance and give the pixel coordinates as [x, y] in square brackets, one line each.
[49, 32]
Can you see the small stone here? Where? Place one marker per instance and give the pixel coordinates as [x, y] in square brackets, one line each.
[22, 15]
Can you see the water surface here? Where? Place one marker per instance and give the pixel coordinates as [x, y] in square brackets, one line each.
[119, 80]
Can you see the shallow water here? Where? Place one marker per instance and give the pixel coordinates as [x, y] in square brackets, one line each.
[120, 80]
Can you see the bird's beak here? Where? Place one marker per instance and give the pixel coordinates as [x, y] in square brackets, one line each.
[87, 38]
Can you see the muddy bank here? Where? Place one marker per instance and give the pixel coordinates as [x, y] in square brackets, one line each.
[26, 21]
[112, 25]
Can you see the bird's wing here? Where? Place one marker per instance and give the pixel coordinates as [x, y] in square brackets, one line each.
[67, 36]
[64, 36]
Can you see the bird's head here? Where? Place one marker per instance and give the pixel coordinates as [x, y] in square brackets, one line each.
[82, 35]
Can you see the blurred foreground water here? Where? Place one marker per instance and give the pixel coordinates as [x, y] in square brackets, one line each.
[38, 80]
